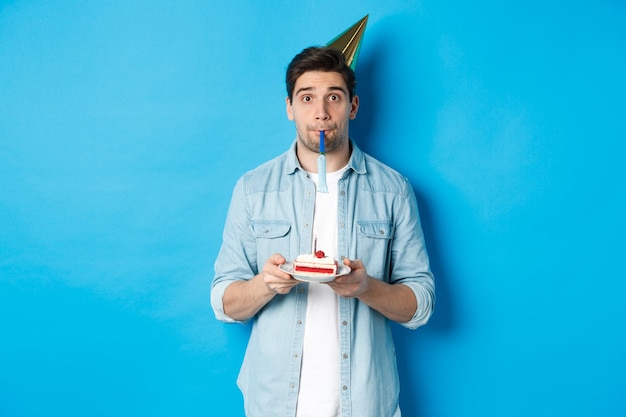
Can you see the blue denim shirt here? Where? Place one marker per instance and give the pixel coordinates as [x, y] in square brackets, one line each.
[272, 212]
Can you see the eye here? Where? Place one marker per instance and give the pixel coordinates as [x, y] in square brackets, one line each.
[334, 97]
[306, 99]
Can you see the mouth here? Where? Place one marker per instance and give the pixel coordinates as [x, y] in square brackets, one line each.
[326, 130]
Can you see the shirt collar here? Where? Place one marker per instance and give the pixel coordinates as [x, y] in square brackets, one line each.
[356, 162]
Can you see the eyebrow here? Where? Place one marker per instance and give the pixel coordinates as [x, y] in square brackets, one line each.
[308, 89]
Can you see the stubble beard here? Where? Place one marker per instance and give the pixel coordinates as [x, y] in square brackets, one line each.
[311, 140]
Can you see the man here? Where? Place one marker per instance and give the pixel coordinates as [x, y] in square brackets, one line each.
[322, 349]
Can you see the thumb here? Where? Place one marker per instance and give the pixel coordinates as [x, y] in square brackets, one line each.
[353, 263]
[277, 259]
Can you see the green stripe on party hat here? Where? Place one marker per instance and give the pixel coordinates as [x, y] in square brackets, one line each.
[349, 42]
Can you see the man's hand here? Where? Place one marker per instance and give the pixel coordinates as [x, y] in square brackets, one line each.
[355, 284]
[277, 281]
[243, 299]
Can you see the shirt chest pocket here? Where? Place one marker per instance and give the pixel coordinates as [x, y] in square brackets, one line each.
[374, 246]
[272, 236]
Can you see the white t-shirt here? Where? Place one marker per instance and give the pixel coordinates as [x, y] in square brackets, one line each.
[320, 375]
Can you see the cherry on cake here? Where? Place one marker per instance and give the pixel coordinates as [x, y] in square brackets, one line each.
[315, 263]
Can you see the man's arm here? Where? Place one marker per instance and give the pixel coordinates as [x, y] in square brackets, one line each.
[397, 302]
[407, 295]
[243, 299]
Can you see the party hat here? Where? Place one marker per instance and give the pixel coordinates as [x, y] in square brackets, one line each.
[349, 42]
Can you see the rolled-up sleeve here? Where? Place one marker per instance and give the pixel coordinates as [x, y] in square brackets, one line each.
[236, 258]
[424, 291]
[410, 262]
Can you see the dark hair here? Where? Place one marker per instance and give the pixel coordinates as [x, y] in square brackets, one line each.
[319, 59]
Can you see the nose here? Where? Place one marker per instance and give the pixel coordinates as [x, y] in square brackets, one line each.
[321, 113]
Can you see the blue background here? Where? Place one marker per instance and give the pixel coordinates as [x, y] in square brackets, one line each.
[125, 124]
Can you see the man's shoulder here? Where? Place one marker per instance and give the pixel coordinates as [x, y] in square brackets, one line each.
[379, 167]
[383, 177]
[268, 166]
[260, 178]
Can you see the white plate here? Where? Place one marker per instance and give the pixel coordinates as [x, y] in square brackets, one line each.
[313, 277]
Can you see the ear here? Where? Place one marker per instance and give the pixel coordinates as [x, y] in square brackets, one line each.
[354, 107]
[289, 108]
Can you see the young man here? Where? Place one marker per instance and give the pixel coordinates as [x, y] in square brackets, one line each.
[322, 349]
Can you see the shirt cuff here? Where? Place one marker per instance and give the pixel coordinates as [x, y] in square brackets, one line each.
[425, 305]
[217, 296]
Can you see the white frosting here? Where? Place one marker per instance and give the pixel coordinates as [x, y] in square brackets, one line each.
[311, 258]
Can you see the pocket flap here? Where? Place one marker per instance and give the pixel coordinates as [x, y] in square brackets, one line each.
[270, 229]
[379, 229]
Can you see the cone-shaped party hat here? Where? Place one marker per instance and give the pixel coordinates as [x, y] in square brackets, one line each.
[349, 42]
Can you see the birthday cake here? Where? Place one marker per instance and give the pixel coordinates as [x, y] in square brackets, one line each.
[315, 263]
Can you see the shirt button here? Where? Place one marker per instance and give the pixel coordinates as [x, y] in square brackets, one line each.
[344, 322]
[341, 224]
[345, 387]
[299, 322]
[382, 232]
[345, 356]
[343, 193]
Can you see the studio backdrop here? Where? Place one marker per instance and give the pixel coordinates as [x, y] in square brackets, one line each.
[124, 126]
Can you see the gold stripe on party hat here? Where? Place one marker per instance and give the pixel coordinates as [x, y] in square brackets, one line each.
[349, 42]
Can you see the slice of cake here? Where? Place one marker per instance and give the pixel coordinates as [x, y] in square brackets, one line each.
[317, 263]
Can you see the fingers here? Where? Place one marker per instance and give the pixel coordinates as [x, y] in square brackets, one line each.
[272, 266]
[354, 283]
[353, 264]
[277, 259]
[276, 280]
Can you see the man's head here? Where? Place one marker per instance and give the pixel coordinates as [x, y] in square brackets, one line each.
[319, 59]
[320, 89]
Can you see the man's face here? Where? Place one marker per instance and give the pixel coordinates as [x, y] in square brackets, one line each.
[321, 101]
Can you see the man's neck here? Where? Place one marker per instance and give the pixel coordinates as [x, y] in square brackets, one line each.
[334, 160]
